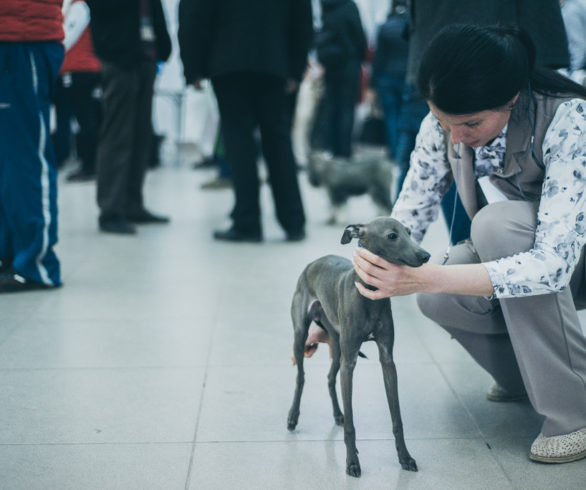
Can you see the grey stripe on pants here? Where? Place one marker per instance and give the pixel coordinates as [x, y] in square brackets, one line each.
[536, 339]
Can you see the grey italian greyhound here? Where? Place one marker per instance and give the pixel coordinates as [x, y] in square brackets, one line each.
[326, 294]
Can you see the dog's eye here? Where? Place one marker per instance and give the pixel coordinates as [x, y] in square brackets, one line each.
[392, 236]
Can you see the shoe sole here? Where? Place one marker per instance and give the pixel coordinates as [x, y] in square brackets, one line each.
[502, 399]
[561, 459]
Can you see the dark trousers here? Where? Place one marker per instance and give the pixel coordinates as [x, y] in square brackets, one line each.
[125, 137]
[413, 110]
[247, 101]
[76, 94]
[340, 97]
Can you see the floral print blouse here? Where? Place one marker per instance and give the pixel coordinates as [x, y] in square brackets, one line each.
[561, 224]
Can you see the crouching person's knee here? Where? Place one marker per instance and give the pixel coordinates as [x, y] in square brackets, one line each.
[429, 305]
[503, 229]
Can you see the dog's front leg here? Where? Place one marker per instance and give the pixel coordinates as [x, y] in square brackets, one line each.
[385, 347]
[349, 357]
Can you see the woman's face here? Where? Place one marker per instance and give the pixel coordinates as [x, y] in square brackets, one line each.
[475, 129]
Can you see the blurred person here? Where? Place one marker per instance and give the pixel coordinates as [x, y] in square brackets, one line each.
[222, 179]
[30, 56]
[574, 15]
[389, 68]
[80, 80]
[341, 48]
[255, 54]
[130, 37]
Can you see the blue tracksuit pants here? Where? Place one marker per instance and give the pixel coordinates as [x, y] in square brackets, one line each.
[28, 172]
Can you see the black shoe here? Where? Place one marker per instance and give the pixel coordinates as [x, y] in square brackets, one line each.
[145, 217]
[234, 235]
[12, 282]
[4, 267]
[295, 236]
[116, 224]
[81, 176]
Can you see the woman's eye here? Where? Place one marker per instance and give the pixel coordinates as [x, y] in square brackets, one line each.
[472, 125]
[392, 236]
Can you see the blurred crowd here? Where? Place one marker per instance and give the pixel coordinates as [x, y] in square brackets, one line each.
[291, 78]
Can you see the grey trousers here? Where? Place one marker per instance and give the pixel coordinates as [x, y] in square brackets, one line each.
[125, 136]
[532, 343]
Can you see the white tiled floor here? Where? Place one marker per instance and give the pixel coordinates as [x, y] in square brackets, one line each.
[163, 363]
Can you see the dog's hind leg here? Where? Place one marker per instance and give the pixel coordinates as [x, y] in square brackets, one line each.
[349, 358]
[301, 321]
[317, 314]
[334, 368]
[385, 347]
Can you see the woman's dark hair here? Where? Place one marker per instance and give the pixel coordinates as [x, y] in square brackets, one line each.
[469, 68]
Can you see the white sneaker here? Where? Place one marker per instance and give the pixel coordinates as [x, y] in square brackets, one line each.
[559, 449]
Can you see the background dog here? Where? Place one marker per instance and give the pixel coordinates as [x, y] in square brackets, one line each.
[370, 174]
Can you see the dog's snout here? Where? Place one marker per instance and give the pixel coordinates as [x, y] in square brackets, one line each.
[425, 256]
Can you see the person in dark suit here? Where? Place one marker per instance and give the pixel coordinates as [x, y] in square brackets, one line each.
[129, 36]
[255, 54]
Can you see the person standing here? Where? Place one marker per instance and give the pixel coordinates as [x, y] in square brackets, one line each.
[79, 80]
[574, 15]
[341, 48]
[388, 77]
[30, 56]
[130, 37]
[255, 54]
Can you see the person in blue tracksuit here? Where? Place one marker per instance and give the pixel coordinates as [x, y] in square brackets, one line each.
[31, 54]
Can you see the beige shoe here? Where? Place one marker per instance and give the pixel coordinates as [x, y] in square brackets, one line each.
[559, 449]
[498, 394]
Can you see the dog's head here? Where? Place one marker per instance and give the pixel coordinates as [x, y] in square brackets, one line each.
[389, 239]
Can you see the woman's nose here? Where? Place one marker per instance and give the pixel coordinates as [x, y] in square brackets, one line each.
[457, 134]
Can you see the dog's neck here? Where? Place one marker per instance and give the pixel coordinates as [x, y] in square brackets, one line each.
[357, 277]
[367, 286]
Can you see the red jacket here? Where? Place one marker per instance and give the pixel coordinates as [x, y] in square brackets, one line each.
[31, 20]
[81, 56]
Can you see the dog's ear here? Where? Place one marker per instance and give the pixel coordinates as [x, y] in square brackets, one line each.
[352, 231]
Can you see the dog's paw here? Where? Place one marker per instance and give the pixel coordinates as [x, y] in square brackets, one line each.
[409, 464]
[292, 422]
[339, 419]
[353, 469]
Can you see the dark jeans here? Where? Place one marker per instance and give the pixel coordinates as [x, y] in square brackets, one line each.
[246, 101]
[79, 91]
[390, 94]
[125, 136]
[414, 109]
[341, 92]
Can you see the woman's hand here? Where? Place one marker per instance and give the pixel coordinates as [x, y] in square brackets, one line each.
[400, 280]
[389, 279]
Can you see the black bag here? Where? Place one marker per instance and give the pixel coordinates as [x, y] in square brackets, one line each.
[330, 48]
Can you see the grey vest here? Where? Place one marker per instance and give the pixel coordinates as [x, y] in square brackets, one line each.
[522, 175]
